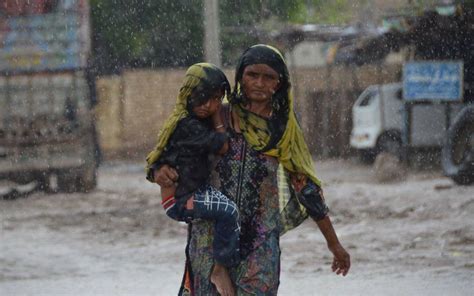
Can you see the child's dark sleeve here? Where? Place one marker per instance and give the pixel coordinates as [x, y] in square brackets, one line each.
[199, 137]
[169, 156]
[216, 141]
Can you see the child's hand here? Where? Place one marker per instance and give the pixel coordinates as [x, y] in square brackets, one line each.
[217, 112]
[216, 116]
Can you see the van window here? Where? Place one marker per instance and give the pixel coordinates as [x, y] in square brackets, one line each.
[368, 98]
[399, 94]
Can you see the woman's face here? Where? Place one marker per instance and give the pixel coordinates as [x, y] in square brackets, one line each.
[259, 82]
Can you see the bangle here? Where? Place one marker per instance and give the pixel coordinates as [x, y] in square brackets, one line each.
[219, 126]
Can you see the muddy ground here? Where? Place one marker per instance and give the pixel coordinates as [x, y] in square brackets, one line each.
[410, 237]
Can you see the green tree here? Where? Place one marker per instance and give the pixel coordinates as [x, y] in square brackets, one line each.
[146, 33]
[164, 33]
[325, 12]
[243, 22]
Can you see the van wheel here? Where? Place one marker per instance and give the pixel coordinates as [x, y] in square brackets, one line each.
[458, 151]
[390, 143]
[367, 156]
[67, 181]
[43, 182]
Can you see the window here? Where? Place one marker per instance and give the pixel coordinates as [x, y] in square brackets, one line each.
[368, 98]
[399, 94]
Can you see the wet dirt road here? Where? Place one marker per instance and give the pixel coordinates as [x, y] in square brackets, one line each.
[414, 237]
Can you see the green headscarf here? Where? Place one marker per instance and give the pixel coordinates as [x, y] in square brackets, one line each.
[279, 136]
[200, 78]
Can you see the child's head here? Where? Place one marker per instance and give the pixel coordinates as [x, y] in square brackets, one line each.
[204, 84]
[203, 88]
[208, 105]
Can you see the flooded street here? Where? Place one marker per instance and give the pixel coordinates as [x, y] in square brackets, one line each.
[414, 237]
[84, 81]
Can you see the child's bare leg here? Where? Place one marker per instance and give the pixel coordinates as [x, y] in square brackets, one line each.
[221, 279]
[190, 203]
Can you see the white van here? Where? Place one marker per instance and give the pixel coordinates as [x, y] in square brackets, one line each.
[377, 117]
[377, 120]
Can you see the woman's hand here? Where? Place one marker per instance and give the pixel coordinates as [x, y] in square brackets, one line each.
[342, 261]
[165, 176]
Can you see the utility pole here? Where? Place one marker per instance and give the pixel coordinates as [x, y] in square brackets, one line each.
[212, 50]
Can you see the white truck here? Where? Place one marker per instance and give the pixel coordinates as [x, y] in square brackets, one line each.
[46, 122]
[378, 125]
[378, 122]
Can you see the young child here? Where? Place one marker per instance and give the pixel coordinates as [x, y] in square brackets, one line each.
[193, 132]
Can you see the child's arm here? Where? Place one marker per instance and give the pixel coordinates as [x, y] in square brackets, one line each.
[220, 128]
[199, 136]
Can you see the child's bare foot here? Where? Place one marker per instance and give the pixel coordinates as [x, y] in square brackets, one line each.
[221, 279]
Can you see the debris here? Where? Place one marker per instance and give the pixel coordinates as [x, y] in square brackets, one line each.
[388, 168]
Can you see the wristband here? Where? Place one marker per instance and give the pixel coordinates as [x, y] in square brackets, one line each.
[219, 126]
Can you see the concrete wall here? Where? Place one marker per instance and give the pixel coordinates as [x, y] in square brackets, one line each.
[133, 106]
[324, 99]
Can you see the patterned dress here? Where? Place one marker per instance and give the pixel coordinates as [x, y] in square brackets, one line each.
[250, 179]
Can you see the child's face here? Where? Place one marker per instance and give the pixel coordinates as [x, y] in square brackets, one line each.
[210, 106]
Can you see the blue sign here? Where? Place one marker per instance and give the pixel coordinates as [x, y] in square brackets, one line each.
[435, 81]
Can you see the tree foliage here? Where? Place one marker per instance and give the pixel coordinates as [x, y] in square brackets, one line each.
[326, 12]
[165, 33]
[242, 22]
[146, 33]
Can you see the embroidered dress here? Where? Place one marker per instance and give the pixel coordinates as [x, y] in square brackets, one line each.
[249, 178]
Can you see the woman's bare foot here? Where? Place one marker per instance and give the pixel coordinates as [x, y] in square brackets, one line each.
[221, 279]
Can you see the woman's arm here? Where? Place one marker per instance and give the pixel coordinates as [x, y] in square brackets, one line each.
[342, 261]
[165, 176]
[310, 196]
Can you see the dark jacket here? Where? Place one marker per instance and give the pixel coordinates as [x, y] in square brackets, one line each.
[188, 151]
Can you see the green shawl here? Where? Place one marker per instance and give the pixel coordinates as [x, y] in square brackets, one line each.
[280, 136]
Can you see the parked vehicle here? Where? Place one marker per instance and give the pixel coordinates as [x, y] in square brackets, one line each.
[46, 122]
[378, 126]
[378, 122]
[458, 150]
